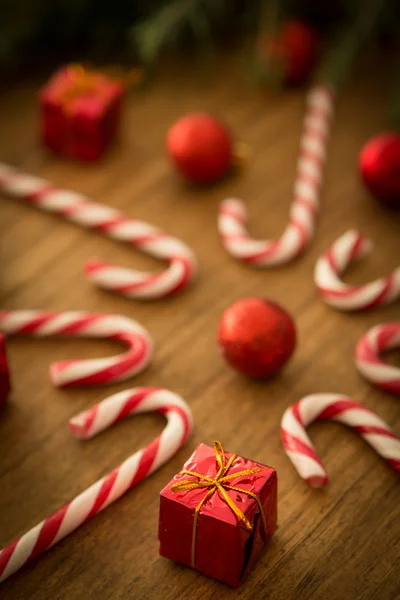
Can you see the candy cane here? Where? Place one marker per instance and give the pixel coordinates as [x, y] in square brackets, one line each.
[300, 229]
[111, 487]
[347, 248]
[82, 324]
[377, 340]
[319, 407]
[114, 224]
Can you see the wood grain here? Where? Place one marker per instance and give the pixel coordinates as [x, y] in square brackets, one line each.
[338, 543]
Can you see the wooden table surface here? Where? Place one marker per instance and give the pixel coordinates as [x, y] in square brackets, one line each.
[338, 543]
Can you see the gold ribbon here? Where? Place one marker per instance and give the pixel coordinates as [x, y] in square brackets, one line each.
[219, 483]
[84, 80]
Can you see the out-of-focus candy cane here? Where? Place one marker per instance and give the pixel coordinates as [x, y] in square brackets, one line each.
[348, 247]
[114, 224]
[303, 211]
[376, 340]
[82, 324]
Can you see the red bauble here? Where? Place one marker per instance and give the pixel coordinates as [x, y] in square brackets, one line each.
[201, 147]
[293, 51]
[379, 164]
[257, 337]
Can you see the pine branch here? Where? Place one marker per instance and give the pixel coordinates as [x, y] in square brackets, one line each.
[166, 27]
[263, 68]
[336, 67]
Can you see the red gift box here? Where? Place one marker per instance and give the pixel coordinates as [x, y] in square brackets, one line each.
[218, 513]
[4, 374]
[80, 111]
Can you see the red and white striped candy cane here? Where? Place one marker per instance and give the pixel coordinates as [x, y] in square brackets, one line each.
[349, 247]
[83, 324]
[376, 340]
[114, 224]
[109, 488]
[320, 407]
[303, 211]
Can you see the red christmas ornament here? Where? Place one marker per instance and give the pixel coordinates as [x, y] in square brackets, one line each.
[379, 164]
[257, 337]
[293, 51]
[201, 148]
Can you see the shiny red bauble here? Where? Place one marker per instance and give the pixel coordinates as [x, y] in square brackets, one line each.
[257, 337]
[201, 147]
[379, 164]
[293, 51]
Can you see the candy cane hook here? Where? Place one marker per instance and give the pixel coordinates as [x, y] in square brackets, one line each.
[111, 487]
[301, 226]
[83, 324]
[347, 248]
[319, 407]
[376, 340]
[114, 224]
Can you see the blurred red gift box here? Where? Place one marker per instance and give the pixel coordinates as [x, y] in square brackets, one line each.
[80, 111]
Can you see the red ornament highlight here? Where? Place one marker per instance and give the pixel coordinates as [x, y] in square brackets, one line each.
[379, 165]
[257, 337]
[201, 148]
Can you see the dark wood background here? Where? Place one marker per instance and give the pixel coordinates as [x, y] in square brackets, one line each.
[341, 542]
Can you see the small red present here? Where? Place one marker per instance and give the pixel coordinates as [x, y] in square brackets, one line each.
[80, 112]
[4, 374]
[218, 513]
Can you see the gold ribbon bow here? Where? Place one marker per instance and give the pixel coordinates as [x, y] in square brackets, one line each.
[84, 80]
[219, 483]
